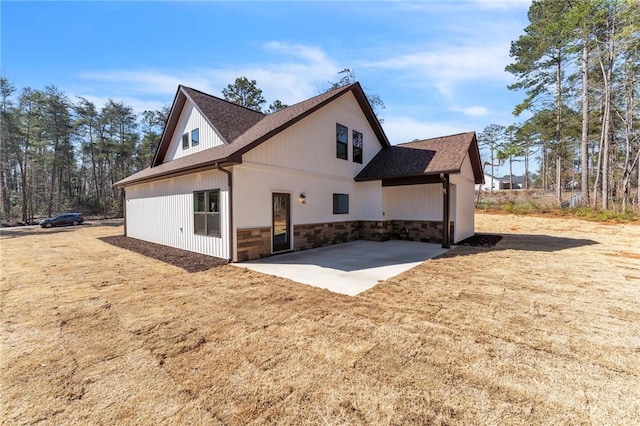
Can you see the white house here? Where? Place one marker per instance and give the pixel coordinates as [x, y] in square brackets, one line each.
[234, 183]
[490, 183]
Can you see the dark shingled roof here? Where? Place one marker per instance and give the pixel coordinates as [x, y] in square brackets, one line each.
[425, 157]
[242, 129]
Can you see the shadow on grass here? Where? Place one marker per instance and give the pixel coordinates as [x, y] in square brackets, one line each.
[25, 231]
[524, 242]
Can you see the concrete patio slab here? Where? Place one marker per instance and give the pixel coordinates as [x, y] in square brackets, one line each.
[348, 268]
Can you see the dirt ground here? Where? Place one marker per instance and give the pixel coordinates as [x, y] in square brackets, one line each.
[542, 328]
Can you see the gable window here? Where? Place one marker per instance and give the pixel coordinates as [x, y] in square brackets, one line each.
[185, 141]
[342, 141]
[206, 212]
[357, 147]
[340, 203]
[195, 137]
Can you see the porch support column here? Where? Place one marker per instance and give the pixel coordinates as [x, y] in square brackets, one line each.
[446, 210]
[124, 209]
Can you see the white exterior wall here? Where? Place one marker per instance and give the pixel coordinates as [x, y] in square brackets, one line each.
[310, 144]
[254, 184]
[465, 202]
[162, 212]
[191, 119]
[413, 202]
[302, 159]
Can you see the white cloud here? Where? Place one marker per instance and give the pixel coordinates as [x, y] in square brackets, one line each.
[148, 81]
[502, 4]
[446, 66]
[472, 111]
[295, 73]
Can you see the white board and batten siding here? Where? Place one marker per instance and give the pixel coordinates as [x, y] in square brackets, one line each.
[191, 119]
[302, 159]
[464, 214]
[162, 212]
[413, 202]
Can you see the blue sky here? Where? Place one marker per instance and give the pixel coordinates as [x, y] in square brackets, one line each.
[437, 65]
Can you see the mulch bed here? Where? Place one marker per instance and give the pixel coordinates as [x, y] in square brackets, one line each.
[481, 240]
[187, 260]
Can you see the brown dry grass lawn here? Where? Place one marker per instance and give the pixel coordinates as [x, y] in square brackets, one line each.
[543, 328]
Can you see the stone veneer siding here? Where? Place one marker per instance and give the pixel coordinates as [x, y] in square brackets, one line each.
[255, 243]
[324, 234]
[425, 231]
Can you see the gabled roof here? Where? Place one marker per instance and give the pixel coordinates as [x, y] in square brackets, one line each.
[231, 120]
[425, 157]
[242, 129]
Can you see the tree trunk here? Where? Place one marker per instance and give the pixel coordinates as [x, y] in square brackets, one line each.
[558, 180]
[526, 168]
[558, 126]
[606, 120]
[584, 141]
[511, 173]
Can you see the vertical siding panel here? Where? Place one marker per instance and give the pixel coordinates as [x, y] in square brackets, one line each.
[156, 211]
[190, 119]
[310, 144]
[415, 202]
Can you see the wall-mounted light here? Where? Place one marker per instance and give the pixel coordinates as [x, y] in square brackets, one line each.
[302, 199]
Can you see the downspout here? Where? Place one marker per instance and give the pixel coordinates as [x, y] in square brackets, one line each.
[446, 211]
[230, 184]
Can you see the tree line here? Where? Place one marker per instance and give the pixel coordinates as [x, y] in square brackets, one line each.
[59, 154]
[578, 63]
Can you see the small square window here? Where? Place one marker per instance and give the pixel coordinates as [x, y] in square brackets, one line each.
[357, 147]
[185, 141]
[342, 141]
[195, 137]
[340, 203]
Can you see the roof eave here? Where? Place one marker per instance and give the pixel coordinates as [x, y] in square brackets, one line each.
[434, 173]
[223, 162]
[172, 121]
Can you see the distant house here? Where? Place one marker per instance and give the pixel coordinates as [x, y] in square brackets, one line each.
[237, 184]
[495, 184]
[506, 180]
[490, 183]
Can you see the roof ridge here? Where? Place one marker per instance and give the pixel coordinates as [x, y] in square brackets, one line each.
[222, 99]
[435, 137]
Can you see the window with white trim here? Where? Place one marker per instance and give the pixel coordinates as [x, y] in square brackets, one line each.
[185, 141]
[206, 212]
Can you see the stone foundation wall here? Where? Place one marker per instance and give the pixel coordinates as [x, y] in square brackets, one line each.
[376, 231]
[253, 243]
[324, 234]
[426, 231]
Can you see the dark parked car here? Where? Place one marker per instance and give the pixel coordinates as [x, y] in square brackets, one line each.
[62, 219]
